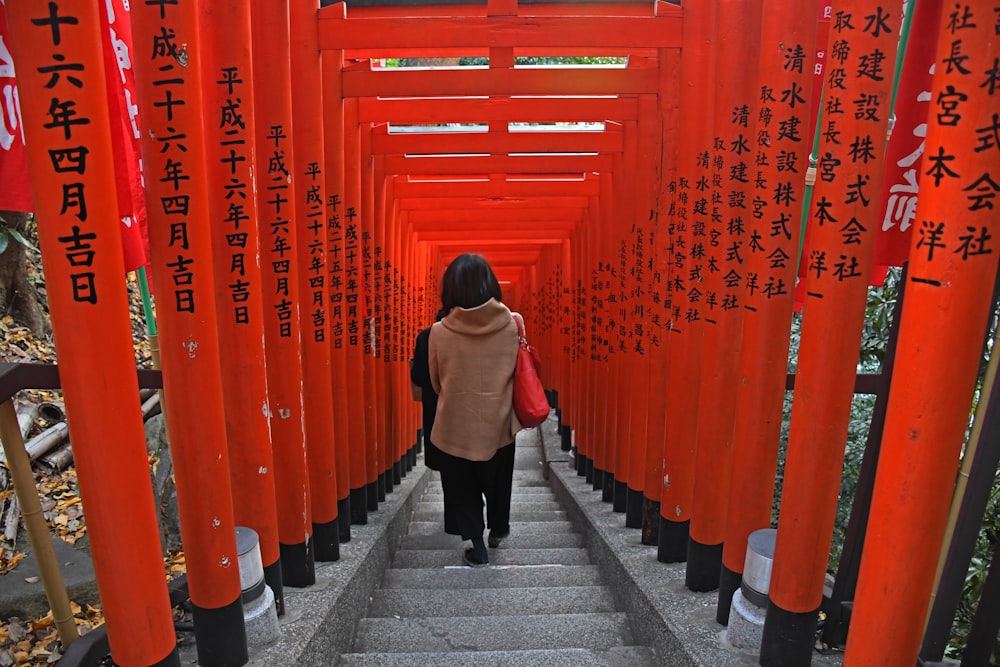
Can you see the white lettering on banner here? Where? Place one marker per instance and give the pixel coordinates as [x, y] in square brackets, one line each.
[11, 118]
[6, 62]
[121, 54]
[10, 128]
[133, 112]
[901, 207]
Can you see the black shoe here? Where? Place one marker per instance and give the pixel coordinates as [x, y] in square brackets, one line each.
[470, 558]
[495, 539]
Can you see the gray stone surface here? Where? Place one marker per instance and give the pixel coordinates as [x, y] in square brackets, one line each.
[746, 624]
[618, 656]
[503, 555]
[676, 622]
[536, 631]
[21, 591]
[490, 601]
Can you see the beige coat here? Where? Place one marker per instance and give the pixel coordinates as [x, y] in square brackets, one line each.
[471, 357]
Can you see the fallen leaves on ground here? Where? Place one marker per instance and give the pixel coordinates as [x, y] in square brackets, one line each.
[36, 641]
[174, 564]
[61, 504]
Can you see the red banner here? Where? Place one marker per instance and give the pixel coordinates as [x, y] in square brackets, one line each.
[125, 131]
[16, 192]
[15, 195]
[906, 144]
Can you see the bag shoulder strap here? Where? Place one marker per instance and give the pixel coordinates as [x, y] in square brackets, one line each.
[520, 324]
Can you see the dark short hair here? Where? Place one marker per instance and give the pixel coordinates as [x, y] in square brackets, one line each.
[469, 282]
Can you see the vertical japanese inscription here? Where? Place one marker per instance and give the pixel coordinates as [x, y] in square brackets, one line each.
[66, 81]
[963, 149]
[277, 203]
[234, 154]
[853, 145]
[316, 271]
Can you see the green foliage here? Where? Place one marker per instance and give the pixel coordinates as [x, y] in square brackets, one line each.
[878, 321]
[7, 233]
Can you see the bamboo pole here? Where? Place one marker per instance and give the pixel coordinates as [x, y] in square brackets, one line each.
[38, 530]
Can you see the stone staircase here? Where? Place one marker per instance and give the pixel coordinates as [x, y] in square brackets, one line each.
[540, 602]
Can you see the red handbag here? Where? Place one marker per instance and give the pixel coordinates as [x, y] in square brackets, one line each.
[530, 403]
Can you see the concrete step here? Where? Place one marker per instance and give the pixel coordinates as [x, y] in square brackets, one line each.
[430, 558]
[516, 540]
[516, 514]
[493, 633]
[426, 602]
[522, 576]
[436, 525]
[519, 504]
[633, 656]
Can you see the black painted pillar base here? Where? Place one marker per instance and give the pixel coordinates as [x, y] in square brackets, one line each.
[380, 486]
[173, 659]
[729, 583]
[581, 464]
[220, 636]
[344, 516]
[633, 509]
[598, 479]
[399, 471]
[589, 470]
[326, 537]
[371, 495]
[704, 564]
[620, 499]
[567, 438]
[671, 547]
[420, 440]
[608, 490]
[298, 566]
[272, 577]
[390, 482]
[789, 637]
[650, 521]
[359, 506]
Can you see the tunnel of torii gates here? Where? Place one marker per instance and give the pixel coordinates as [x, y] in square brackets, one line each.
[303, 200]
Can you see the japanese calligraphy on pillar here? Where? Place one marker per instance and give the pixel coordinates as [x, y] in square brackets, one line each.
[637, 307]
[782, 154]
[66, 131]
[238, 212]
[352, 276]
[961, 167]
[699, 262]
[279, 235]
[859, 80]
[314, 302]
[335, 268]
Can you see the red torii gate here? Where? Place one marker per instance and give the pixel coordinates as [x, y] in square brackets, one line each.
[600, 227]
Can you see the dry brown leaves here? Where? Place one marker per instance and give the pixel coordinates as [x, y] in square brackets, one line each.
[36, 641]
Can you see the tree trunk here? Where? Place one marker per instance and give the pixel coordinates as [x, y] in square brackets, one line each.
[17, 296]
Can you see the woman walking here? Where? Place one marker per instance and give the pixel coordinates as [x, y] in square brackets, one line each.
[471, 356]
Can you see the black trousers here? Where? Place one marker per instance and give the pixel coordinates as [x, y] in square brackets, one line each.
[467, 483]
